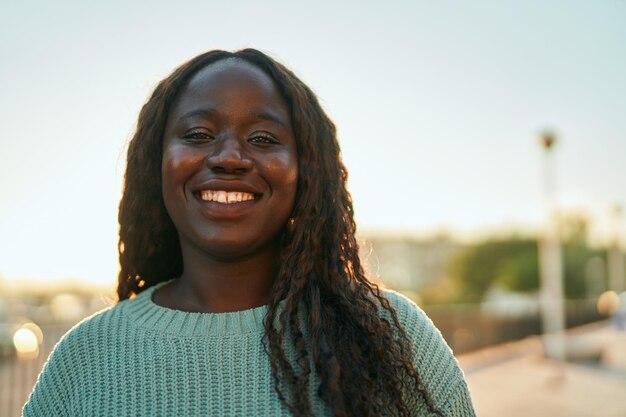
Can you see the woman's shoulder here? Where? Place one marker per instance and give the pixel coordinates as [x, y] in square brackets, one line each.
[420, 329]
[432, 357]
[67, 365]
[408, 312]
[116, 318]
[86, 335]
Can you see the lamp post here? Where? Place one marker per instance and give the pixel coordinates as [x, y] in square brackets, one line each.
[550, 261]
[615, 256]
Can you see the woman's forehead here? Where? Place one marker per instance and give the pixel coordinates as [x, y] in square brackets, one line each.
[222, 80]
[230, 91]
[230, 71]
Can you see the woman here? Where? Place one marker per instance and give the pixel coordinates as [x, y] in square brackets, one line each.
[241, 290]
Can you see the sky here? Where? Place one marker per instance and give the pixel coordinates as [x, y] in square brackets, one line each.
[439, 106]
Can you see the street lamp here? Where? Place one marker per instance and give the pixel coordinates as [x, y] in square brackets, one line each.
[615, 255]
[550, 261]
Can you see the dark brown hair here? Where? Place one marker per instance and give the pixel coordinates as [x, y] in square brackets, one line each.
[362, 359]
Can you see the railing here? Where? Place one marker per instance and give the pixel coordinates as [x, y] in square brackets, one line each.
[469, 327]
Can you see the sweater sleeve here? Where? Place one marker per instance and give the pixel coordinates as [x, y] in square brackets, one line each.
[433, 359]
[52, 392]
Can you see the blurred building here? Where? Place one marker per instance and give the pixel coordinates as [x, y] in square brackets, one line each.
[408, 263]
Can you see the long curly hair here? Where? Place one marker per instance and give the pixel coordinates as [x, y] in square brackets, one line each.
[362, 359]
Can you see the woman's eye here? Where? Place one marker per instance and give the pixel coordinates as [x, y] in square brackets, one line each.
[263, 139]
[198, 135]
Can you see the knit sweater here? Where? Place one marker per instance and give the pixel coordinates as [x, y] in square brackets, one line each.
[141, 359]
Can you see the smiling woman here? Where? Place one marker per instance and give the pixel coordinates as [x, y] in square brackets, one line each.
[228, 136]
[241, 290]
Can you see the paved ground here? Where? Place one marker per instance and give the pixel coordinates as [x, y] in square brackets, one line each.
[515, 379]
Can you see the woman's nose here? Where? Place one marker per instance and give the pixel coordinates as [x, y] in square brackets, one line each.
[228, 156]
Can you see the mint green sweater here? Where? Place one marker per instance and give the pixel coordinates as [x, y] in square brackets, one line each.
[140, 359]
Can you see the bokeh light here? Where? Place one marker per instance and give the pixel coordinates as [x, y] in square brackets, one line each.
[26, 343]
[608, 303]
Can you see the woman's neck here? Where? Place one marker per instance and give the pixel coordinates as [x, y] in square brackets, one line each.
[218, 285]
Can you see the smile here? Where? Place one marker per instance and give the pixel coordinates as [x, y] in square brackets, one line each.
[225, 197]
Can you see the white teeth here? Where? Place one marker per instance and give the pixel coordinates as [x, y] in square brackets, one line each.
[225, 197]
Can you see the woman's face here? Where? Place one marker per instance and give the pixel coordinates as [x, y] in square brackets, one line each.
[229, 169]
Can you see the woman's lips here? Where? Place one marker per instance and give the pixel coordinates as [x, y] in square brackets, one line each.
[225, 197]
[222, 204]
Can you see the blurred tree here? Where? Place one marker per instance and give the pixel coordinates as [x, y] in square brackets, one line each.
[512, 262]
[520, 272]
[574, 230]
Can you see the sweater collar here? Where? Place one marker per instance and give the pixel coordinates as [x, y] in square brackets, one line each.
[145, 313]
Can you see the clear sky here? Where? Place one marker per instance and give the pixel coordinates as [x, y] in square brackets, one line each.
[438, 105]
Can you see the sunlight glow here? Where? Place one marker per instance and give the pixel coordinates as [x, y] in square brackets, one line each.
[26, 343]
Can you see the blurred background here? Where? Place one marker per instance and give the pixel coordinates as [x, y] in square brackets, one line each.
[486, 144]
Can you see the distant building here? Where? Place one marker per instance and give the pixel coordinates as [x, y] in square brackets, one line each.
[407, 263]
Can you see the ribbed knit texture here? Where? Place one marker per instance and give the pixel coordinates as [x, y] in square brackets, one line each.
[141, 359]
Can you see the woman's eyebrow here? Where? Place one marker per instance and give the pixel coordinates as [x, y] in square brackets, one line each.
[255, 115]
[269, 117]
[197, 112]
